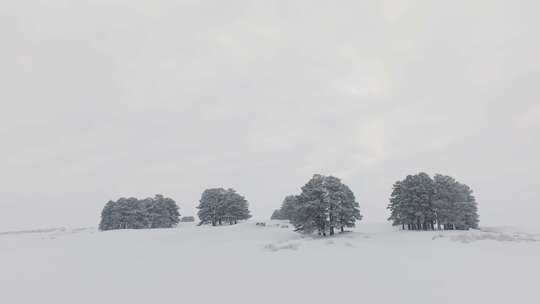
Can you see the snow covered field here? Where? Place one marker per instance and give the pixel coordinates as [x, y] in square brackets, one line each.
[251, 264]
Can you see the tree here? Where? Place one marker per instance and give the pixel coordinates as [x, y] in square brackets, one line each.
[349, 211]
[163, 211]
[277, 215]
[419, 202]
[109, 216]
[411, 202]
[288, 207]
[311, 209]
[324, 205]
[235, 207]
[467, 208]
[398, 213]
[208, 206]
[132, 213]
[444, 200]
[287, 210]
[218, 205]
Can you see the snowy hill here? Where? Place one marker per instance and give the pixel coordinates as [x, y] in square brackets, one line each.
[246, 263]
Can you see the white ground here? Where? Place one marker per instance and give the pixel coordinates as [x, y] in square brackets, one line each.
[250, 264]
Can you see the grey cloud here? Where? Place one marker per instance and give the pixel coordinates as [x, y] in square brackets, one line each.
[104, 99]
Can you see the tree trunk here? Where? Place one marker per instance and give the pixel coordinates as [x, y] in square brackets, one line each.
[332, 230]
[342, 230]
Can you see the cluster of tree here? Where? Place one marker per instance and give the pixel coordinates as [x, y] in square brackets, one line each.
[421, 203]
[325, 204]
[218, 206]
[132, 213]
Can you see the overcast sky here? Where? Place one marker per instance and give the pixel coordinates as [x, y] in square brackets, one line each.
[108, 98]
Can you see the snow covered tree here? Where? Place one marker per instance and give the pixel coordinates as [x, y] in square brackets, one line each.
[411, 202]
[445, 200]
[163, 212]
[132, 213]
[312, 210]
[324, 205]
[286, 212]
[218, 205]
[466, 209]
[349, 209]
[110, 217]
[209, 206]
[419, 202]
[455, 205]
[398, 215]
[125, 213]
[236, 207]
[277, 215]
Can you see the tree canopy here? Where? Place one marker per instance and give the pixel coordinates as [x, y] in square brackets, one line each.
[324, 205]
[218, 206]
[133, 213]
[421, 203]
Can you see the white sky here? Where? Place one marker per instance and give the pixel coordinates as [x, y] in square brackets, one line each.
[108, 98]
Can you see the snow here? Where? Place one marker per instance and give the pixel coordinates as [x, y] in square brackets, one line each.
[246, 263]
